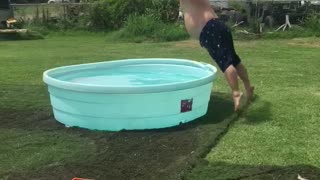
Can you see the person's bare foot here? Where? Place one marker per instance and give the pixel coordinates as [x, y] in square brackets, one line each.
[250, 93]
[237, 101]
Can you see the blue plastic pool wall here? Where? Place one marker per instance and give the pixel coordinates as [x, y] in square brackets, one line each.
[99, 111]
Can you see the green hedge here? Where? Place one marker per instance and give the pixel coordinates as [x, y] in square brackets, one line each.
[112, 14]
[140, 28]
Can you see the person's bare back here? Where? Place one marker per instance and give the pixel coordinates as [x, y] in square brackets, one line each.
[196, 14]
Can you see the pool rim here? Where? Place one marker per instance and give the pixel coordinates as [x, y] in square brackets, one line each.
[158, 88]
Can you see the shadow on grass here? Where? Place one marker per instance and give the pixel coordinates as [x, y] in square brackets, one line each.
[28, 119]
[222, 170]
[259, 112]
[19, 36]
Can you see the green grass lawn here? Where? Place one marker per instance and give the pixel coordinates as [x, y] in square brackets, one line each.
[281, 128]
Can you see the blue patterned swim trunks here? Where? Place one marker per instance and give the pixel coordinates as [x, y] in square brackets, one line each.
[216, 37]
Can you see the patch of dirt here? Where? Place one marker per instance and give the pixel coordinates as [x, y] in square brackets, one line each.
[154, 154]
[317, 93]
[300, 42]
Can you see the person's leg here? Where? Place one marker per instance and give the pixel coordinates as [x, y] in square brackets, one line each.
[243, 73]
[213, 39]
[240, 68]
[231, 76]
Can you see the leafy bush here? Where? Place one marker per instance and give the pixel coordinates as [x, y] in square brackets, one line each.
[136, 20]
[171, 32]
[166, 10]
[143, 27]
[254, 25]
[312, 22]
[140, 26]
[105, 15]
[99, 15]
[112, 14]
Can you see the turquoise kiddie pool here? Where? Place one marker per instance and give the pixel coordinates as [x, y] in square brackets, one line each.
[130, 94]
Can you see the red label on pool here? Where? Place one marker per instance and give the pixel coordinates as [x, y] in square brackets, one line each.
[186, 105]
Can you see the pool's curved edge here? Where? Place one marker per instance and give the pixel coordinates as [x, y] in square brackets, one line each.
[143, 89]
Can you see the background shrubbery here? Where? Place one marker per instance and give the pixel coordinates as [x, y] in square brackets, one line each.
[145, 20]
[136, 20]
[312, 22]
[145, 27]
[112, 14]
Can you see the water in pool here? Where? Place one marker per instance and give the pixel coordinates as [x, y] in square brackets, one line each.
[134, 76]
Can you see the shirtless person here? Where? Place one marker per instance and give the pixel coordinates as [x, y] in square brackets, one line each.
[202, 23]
